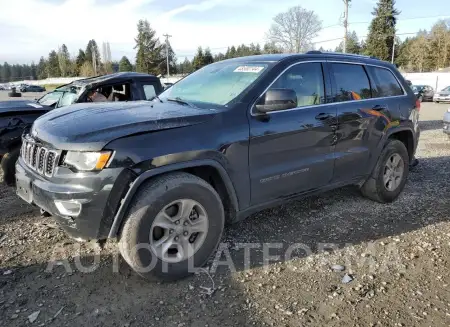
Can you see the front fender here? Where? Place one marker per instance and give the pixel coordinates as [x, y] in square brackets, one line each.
[118, 218]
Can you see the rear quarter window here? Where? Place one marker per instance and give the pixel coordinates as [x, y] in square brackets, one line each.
[385, 83]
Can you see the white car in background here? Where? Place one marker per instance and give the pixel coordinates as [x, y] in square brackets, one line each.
[443, 95]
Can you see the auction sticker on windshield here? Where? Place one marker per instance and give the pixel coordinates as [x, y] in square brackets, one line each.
[249, 69]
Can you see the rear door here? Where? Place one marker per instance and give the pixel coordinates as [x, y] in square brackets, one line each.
[367, 100]
[291, 151]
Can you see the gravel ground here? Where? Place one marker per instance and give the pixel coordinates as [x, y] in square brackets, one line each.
[396, 255]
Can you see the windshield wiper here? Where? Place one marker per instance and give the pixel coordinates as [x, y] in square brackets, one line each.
[180, 101]
[156, 97]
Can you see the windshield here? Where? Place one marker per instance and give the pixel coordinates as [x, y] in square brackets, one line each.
[218, 83]
[447, 89]
[417, 87]
[50, 98]
[70, 96]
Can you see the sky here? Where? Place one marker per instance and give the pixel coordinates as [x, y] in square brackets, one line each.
[30, 29]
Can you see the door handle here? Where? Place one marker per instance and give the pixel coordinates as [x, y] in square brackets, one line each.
[379, 107]
[323, 116]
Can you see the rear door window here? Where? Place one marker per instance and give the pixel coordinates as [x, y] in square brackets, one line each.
[386, 85]
[352, 82]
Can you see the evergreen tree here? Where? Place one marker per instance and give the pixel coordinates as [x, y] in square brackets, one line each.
[271, 48]
[172, 61]
[382, 30]
[353, 45]
[53, 65]
[79, 61]
[149, 49]
[125, 65]
[198, 61]
[6, 73]
[92, 53]
[440, 45]
[42, 69]
[64, 61]
[33, 71]
[207, 57]
[185, 67]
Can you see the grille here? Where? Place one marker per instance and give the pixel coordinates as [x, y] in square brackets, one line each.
[39, 158]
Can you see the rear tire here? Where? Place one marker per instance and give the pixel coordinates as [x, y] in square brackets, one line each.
[9, 166]
[155, 199]
[376, 188]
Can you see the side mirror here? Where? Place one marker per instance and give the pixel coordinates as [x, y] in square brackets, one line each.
[277, 99]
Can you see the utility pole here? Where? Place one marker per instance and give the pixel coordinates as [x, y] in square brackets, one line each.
[393, 51]
[94, 60]
[345, 24]
[167, 52]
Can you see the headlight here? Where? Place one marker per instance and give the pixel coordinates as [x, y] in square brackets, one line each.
[87, 160]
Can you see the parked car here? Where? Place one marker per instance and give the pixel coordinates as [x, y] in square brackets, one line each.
[32, 88]
[443, 95]
[15, 116]
[423, 92]
[228, 140]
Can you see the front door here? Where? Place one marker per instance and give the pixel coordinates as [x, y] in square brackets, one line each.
[291, 151]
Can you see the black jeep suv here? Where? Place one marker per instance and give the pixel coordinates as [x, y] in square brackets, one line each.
[230, 139]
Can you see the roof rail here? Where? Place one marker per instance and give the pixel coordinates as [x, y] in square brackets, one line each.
[341, 54]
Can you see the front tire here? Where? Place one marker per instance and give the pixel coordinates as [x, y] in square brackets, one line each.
[9, 166]
[174, 223]
[389, 175]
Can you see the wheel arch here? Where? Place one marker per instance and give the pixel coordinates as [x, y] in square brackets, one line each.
[208, 169]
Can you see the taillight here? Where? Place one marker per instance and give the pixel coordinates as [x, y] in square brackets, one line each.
[418, 104]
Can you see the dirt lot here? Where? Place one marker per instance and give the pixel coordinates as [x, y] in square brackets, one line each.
[397, 254]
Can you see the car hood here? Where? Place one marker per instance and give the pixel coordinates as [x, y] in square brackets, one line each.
[443, 93]
[21, 105]
[90, 126]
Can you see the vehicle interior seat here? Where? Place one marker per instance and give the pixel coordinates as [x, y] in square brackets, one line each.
[117, 94]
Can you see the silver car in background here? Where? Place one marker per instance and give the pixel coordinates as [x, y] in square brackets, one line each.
[442, 95]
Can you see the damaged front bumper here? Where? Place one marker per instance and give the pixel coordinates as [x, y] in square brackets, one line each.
[82, 203]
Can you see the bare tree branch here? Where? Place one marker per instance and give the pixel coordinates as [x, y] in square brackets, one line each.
[294, 30]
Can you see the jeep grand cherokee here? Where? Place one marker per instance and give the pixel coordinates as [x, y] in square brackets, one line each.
[230, 139]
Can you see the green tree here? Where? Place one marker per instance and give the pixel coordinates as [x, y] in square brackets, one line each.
[207, 57]
[125, 65]
[440, 45]
[42, 69]
[353, 45]
[6, 73]
[271, 48]
[149, 49]
[92, 55]
[381, 35]
[198, 61]
[53, 69]
[185, 67]
[79, 61]
[172, 61]
[33, 71]
[64, 61]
